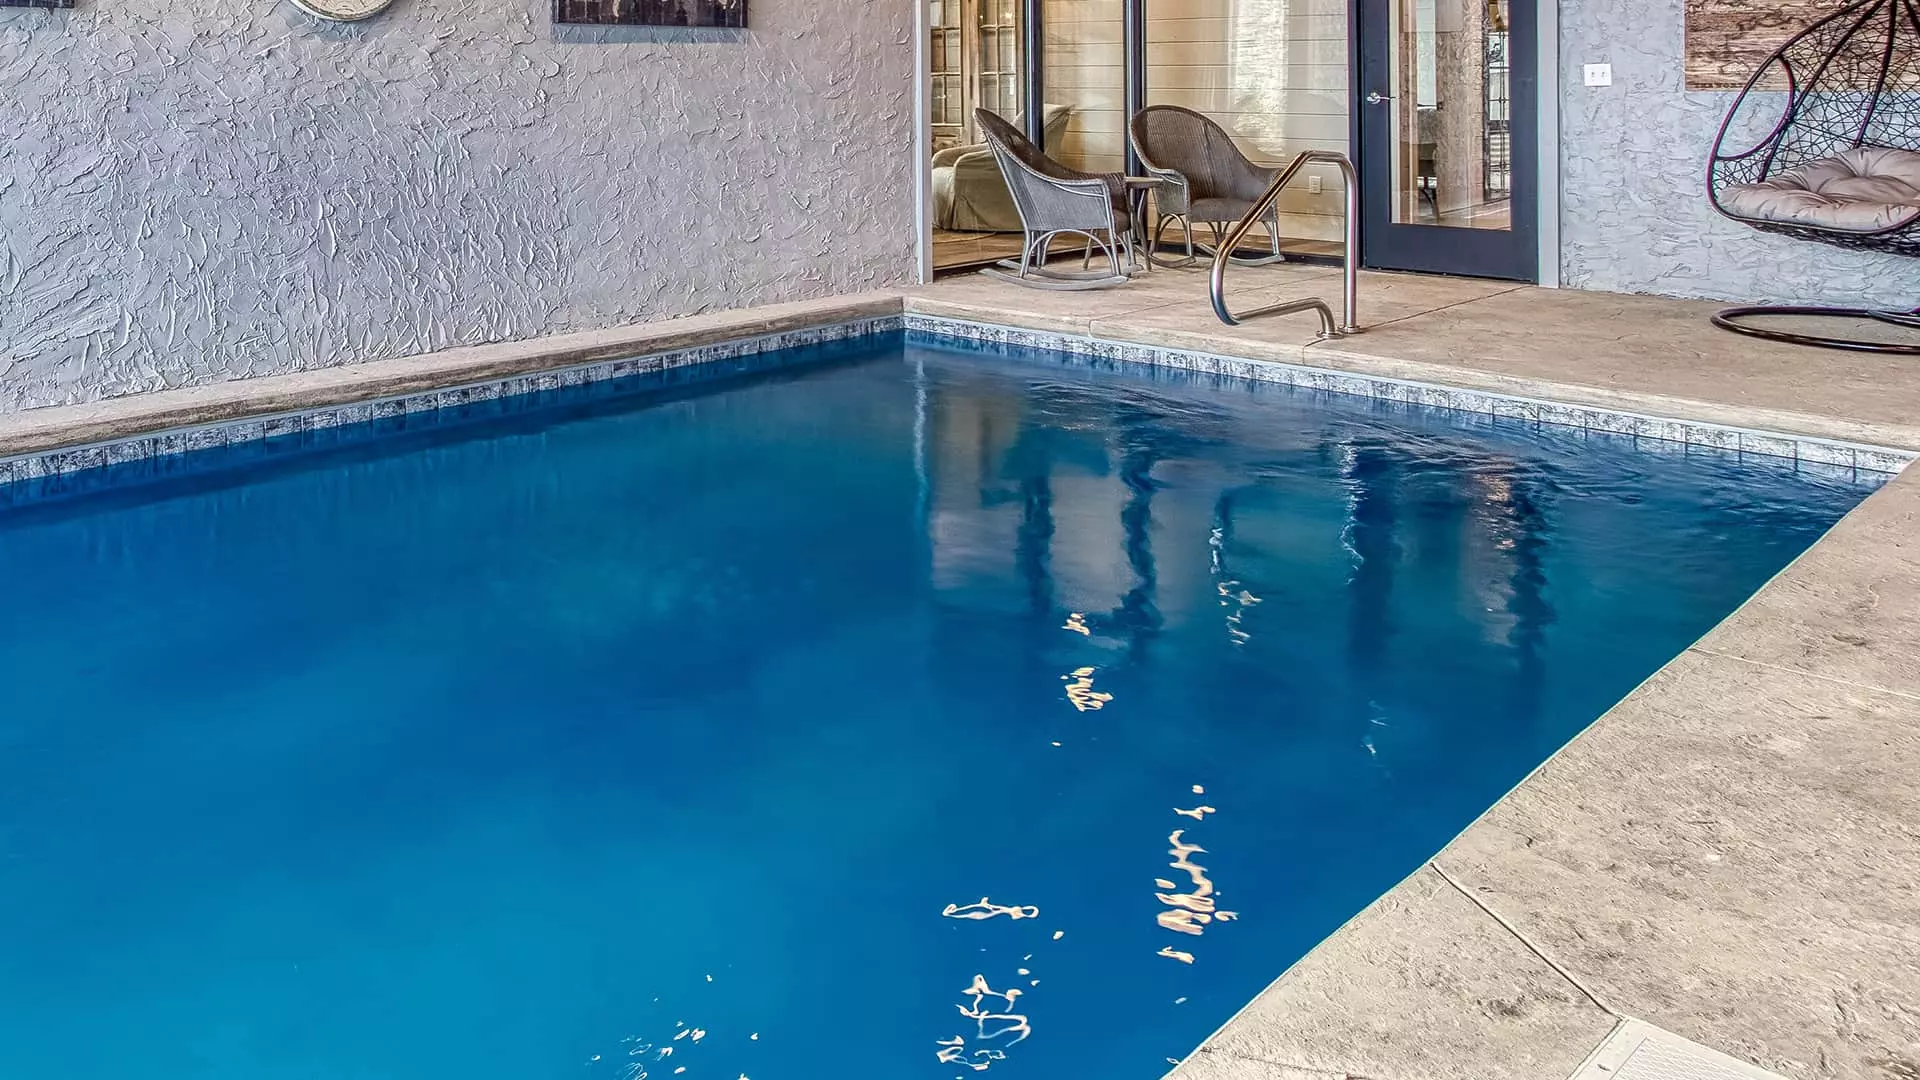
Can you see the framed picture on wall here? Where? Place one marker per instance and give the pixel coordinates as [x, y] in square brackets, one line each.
[708, 13]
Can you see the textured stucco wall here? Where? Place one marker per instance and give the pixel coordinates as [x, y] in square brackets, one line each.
[1634, 215]
[200, 191]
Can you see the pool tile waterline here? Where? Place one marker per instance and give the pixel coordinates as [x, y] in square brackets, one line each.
[31, 478]
[1803, 450]
[55, 474]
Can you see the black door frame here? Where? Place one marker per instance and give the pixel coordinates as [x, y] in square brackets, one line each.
[1133, 50]
[1033, 35]
[1512, 253]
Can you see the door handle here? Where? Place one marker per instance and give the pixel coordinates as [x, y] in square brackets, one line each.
[1376, 97]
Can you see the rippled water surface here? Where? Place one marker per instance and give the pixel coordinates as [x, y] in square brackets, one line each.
[689, 733]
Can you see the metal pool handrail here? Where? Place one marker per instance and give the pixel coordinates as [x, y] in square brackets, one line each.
[1349, 265]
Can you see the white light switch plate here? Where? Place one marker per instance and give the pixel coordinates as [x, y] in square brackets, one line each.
[1315, 185]
[1599, 74]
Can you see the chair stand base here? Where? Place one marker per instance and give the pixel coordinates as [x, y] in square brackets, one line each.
[1032, 271]
[1152, 244]
[1242, 260]
[1204, 254]
[1180, 263]
[1062, 280]
[1220, 230]
[1198, 251]
[1729, 319]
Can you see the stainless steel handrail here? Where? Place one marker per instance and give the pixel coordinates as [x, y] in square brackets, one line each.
[1349, 267]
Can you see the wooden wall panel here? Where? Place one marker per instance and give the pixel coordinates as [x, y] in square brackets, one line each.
[1728, 39]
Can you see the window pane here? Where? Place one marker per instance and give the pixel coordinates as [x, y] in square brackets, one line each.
[1451, 163]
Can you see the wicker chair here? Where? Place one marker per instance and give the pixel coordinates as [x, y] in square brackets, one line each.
[969, 194]
[1203, 178]
[1053, 200]
[1839, 162]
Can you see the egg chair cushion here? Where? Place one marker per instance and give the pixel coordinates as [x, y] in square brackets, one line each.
[1866, 189]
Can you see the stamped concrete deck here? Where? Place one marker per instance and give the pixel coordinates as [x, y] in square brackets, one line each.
[1638, 353]
[1732, 853]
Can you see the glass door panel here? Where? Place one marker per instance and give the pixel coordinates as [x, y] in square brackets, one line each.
[1274, 75]
[1085, 74]
[1446, 122]
[1452, 149]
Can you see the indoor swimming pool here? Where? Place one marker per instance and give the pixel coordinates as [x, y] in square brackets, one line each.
[913, 712]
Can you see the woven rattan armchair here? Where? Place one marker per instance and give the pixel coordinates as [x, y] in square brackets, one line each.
[969, 194]
[1054, 200]
[1203, 178]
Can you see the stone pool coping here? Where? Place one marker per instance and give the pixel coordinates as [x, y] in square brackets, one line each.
[1804, 449]
[60, 427]
[126, 431]
[1728, 853]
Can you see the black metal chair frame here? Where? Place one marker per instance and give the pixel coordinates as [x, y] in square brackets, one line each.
[1852, 79]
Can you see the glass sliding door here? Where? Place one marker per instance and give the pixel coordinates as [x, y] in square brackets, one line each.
[1274, 74]
[1085, 73]
[977, 60]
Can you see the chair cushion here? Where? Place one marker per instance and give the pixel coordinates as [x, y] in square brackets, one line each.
[1867, 189]
[1220, 209]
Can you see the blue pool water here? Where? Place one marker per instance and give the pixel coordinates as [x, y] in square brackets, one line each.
[537, 748]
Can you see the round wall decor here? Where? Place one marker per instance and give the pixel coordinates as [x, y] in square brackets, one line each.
[343, 10]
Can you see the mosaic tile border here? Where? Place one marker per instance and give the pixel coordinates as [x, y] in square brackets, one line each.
[1823, 454]
[57, 474]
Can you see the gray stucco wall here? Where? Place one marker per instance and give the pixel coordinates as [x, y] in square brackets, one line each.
[195, 192]
[1634, 215]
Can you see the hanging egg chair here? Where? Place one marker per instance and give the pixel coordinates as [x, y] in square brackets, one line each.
[1841, 164]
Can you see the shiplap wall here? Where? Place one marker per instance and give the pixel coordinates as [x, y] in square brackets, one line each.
[1085, 68]
[1272, 72]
